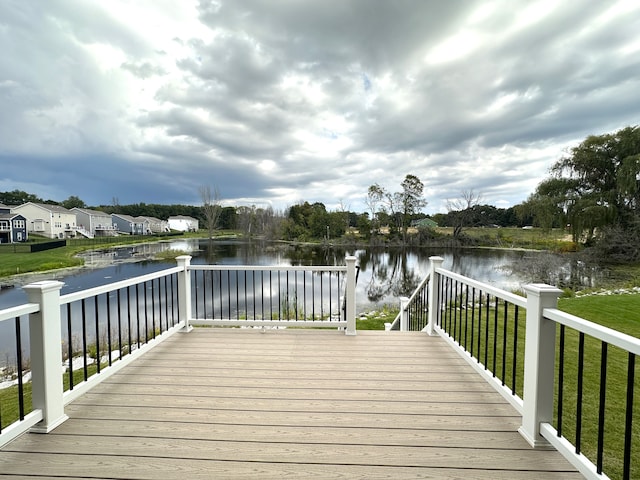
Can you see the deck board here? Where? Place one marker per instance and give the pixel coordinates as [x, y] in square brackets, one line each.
[235, 403]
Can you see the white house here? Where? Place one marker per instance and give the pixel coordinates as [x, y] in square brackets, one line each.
[52, 221]
[154, 225]
[183, 223]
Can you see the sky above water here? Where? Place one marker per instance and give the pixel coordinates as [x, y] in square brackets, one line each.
[277, 102]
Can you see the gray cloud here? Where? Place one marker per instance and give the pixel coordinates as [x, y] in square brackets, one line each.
[276, 102]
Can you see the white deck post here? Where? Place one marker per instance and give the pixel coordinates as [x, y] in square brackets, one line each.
[184, 291]
[350, 293]
[404, 315]
[434, 285]
[539, 360]
[46, 354]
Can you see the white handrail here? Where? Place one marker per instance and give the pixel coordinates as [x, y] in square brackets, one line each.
[498, 292]
[92, 292]
[605, 334]
[13, 312]
[280, 268]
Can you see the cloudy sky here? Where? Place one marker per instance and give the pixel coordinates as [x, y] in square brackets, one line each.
[276, 102]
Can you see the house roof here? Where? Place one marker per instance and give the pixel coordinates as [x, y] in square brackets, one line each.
[9, 216]
[94, 213]
[426, 222]
[48, 207]
[126, 218]
[182, 217]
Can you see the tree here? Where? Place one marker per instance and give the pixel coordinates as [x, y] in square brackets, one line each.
[401, 206]
[596, 186]
[409, 201]
[375, 195]
[72, 202]
[460, 211]
[246, 220]
[18, 197]
[211, 208]
[228, 218]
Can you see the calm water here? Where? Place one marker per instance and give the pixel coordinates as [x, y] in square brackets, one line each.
[385, 274]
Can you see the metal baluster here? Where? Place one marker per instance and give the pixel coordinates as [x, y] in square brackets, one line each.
[601, 409]
[85, 365]
[70, 346]
[19, 368]
[579, 393]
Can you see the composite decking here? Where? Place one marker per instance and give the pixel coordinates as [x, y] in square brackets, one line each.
[239, 403]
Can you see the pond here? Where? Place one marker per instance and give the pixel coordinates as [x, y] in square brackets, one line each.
[385, 274]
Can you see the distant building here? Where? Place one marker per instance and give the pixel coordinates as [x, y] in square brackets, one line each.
[154, 225]
[127, 224]
[93, 223]
[183, 223]
[13, 226]
[52, 221]
[424, 222]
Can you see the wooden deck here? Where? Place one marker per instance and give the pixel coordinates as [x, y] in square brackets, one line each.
[231, 403]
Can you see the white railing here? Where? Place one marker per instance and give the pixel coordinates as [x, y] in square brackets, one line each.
[415, 306]
[523, 358]
[274, 296]
[125, 319]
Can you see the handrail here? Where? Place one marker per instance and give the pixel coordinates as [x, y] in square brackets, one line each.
[600, 332]
[508, 296]
[405, 304]
[281, 268]
[13, 312]
[110, 287]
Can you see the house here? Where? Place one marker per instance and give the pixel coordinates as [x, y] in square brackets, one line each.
[52, 221]
[127, 224]
[93, 223]
[13, 226]
[155, 225]
[424, 223]
[183, 223]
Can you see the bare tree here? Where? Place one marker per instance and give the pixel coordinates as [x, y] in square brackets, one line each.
[343, 209]
[211, 208]
[247, 219]
[460, 210]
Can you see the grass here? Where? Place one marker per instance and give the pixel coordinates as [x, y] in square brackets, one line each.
[510, 237]
[375, 320]
[16, 263]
